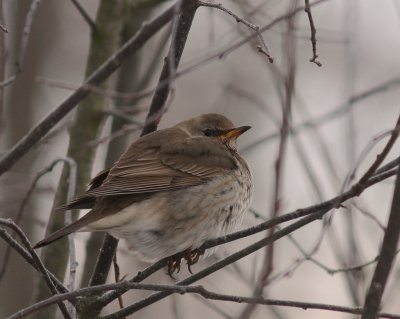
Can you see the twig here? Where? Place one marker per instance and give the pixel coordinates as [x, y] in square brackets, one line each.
[21, 210]
[73, 264]
[356, 267]
[313, 39]
[192, 290]
[263, 47]
[28, 258]
[386, 256]
[24, 42]
[27, 31]
[84, 15]
[364, 152]
[161, 94]
[117, 279]
[380, 157]
[25, 241]
[338, 111]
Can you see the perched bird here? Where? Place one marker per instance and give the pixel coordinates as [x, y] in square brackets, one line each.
[172, 190]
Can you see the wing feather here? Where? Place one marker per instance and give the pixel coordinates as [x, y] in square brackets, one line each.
[166, 166]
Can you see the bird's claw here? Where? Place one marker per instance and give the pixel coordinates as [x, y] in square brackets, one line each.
[191, 257]
[174, 265]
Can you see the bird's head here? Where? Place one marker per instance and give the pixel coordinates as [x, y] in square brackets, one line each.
[214, 126]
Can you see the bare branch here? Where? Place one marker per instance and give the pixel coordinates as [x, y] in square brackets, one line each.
[35, 258]
[24, 42]
[24, 202]
[263, 47]
[313, 39]
[28, 258]
[84, 15]
[200, 290]
[387, 253]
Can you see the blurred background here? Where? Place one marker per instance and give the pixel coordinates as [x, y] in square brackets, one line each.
[347, 103]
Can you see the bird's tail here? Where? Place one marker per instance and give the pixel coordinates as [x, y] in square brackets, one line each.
[73, 227]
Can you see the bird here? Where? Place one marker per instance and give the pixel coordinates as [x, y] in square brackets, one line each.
[169, 192]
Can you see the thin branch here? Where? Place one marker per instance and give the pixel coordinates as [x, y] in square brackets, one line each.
[263, 47]
[200, 290]
[24, 42]
[21, 210]
[27, 31]
[84, 15]
[380, 158]
[313, 38]
[386, 256]
[357, 267]
[28, 258]
[117, 279]
[337, 112]
[73, 264]
[42, 269]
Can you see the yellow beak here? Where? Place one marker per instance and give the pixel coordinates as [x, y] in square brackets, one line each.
[235, 132]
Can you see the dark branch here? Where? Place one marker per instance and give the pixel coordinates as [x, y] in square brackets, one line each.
[386, 257]
[184, 290]
[313, 38]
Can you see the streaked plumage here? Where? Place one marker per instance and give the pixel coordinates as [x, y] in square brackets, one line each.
[170, 191]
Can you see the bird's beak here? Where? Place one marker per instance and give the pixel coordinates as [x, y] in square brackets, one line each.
[235, 132]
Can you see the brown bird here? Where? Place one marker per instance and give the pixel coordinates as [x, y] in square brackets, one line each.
[170, 191]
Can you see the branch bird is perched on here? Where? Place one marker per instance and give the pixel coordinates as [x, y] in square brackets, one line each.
[170, 191]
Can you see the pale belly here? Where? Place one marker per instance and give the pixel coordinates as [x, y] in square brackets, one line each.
[171, 222]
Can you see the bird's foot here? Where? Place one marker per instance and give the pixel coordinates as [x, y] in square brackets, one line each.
[174, 264]
[193, 256]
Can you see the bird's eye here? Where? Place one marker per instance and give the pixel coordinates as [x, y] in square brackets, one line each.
[210, 132]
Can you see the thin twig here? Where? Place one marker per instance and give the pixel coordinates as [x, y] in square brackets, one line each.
[21, 210]
[117, 279]
[73, 264]
[25, 241]
[184, 290]
[28, 258]
[263, 47]
[338, 111]
[24, 42]
[26, 32]
[313, 38]
[386, 256]
[84, 15]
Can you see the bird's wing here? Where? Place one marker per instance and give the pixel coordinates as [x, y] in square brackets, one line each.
[187, 162]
